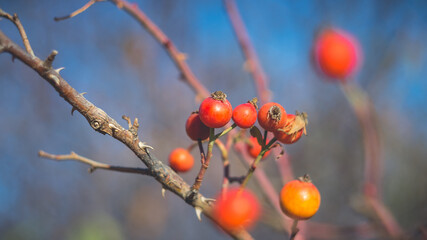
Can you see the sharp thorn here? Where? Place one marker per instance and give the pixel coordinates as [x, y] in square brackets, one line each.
[163, 192]
[144, 145]
[72, 110]
[198, 213]
[59, 69]
[207, 200]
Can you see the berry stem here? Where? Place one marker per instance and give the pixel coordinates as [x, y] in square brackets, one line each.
[265, 137]
[294, 230]
[251, 170]
[225, 131]
[205, 160]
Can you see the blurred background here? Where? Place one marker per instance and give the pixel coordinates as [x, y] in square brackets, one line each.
[126, 72]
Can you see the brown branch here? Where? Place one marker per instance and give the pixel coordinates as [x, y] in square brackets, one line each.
[177, 56]
[94, 164]
[21, 29]
[78, 11]
[103, 123]
[252, 62]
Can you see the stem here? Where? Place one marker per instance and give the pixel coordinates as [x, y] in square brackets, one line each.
[205, 160]
[265, 137]
[225, 131]
[294, 230]
[255, 163]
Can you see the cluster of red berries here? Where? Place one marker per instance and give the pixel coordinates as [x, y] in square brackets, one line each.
[337, 56]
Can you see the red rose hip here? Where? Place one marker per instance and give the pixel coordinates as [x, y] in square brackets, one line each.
[215, 111]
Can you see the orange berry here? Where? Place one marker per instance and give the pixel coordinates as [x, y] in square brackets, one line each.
[272, 116]
[181, 160]
[300, 199]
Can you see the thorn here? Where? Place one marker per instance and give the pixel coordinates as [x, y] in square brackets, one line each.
[198, 213]
[163, 192]
[54, 78]
[143, 145]
[83, 93]
[59, 69]
[207, 200]
[72, 110]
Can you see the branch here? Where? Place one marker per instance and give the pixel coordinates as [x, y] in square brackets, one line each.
[21, 29]
[252, 62]
[103, 123]
[177, 56]
[94, 164]
[78, 11]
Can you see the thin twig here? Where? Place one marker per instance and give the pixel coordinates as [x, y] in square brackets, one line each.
[78, 11]
[205, 161]
[294, 230]
[252, 62]
[21, 29]
[254, 165]
[94, 164]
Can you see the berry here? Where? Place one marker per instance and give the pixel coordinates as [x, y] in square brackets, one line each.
[272, 116]
[283, 137]
[215, 111]
[254, 148]
[300, 199]
[236, 209]
[181, 160]
[336, 54]
[244, 115]
[195, 128]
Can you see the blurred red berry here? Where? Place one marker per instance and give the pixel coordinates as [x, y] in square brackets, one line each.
[181, 160]
[236, 209]
[254, 148]
[336, 53]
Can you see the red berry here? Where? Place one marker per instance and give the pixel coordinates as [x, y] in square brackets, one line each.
[244, 115]
[272, 116]
[215, 111]
[336, 53]
[181, 160]
[281, 136]
[195, 128]
[236, 209]
[254, 148]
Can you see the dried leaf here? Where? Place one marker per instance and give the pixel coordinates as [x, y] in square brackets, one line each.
[255, 132]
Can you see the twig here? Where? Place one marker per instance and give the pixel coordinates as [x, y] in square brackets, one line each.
[255, 163]
[261, 81]
[205, 161]
[78, 11]
[177, 57]
[294, 230]
[94, 164]
[103, 123]
[363, 109]
[21, 29]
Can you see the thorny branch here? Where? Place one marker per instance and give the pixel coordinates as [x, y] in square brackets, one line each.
[94, 164]
[103, 123]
